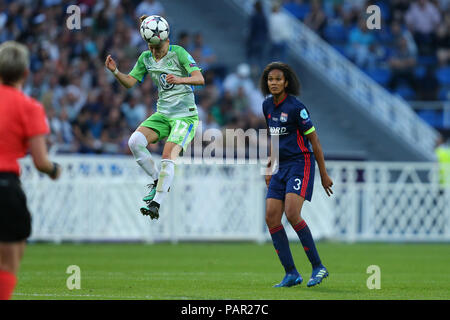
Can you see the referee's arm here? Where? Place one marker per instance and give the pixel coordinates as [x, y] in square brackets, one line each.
[38, 150]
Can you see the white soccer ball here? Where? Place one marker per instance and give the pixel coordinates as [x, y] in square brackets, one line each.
[154, 29]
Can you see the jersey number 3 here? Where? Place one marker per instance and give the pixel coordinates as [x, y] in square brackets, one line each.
[299, 184]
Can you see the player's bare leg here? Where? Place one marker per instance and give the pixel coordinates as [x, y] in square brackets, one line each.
[170, 154]
[10, 256]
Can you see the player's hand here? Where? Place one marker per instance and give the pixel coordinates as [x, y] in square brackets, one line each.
[173, 79]
[110, 63]
[56, 173]
[268, 174]
[327, 183]
[267, 177]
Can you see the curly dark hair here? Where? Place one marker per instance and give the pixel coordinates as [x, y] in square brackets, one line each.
[293, 87]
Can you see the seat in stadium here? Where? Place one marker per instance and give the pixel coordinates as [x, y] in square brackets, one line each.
[419, 72]
[341, 48]
[444, 94]
[427, 60]
[336, 33]
[406, 92]
[443, 76]
[432, 117]
[298, 10]
[380, 75]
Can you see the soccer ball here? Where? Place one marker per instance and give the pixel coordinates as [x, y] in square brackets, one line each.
[154, 29]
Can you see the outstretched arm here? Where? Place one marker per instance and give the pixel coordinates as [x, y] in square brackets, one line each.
[318, 154]
[125, 80]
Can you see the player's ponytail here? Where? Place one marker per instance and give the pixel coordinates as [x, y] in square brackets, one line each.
[142, 18]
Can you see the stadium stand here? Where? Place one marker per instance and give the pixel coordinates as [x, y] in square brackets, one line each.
[409, 55]
[90, 113]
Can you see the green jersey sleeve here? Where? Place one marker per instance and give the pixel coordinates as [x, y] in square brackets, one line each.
[139, 70]
[185, 59]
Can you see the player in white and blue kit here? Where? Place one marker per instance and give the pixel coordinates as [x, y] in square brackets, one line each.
[292, 182]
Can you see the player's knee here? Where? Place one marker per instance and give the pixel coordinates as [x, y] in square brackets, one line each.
[9, 261]
[136, 142]
[171, 152]
[272, 219]
[292, 215]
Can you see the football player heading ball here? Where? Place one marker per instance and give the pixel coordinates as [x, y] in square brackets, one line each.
[174, 71]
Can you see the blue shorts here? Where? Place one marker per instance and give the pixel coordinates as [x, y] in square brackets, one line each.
[296, 177]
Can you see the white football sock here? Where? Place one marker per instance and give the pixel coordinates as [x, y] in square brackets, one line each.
[165, 179]
[138, 146]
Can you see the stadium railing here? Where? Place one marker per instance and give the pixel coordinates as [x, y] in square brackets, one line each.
[391, 110]
[98, 198]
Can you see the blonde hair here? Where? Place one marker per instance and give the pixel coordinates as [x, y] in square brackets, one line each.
[142, 18]
[14, 62]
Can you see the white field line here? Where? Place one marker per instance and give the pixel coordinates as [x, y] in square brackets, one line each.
[97, 296]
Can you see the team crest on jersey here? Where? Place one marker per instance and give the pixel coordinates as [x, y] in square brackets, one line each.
[163, 82]
[283, 117]
[304, 114]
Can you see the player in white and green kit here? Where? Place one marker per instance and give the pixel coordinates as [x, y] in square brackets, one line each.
[174, 71]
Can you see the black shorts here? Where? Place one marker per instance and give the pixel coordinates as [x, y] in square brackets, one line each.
[15, 219]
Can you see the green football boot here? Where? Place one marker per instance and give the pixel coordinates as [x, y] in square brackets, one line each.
[152, 192]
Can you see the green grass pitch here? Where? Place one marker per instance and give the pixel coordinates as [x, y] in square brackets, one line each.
[197, 271]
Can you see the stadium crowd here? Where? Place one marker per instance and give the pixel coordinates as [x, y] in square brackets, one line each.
[409, 54]
[89, 112]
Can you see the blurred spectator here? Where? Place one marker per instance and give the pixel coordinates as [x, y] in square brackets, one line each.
[299, 8]
[133, 110]
[241, 79]
[402, 64]
[73, 99]
[399, 33]
[280, 32]
[213, 87]
[423, 18]
[399, 9]
[210, 122]
[69, 77]
[205, 115]
[361, 44]
[61, 133]
[428, 85]
[96, 125]
[316, 19]
[443, 40]
[184, 40]
[222, 110]
[257, 37]
[202, 53]
[83, 134]
[115, 133]
[149, 8]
